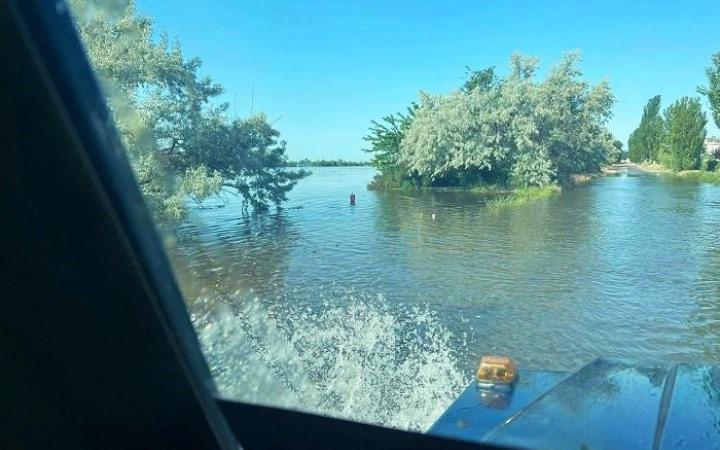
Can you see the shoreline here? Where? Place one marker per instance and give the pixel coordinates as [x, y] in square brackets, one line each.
[699, 176]
[501, 197]
[641, 167]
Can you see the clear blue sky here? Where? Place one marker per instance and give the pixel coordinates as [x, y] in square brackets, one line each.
[324, 69]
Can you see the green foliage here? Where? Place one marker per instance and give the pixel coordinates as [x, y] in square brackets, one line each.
[644, 143]
[385, 138]
[482, 79]
[699, 176]
[180, 143]
[619, 155]
[684, 142]
[709, 165]
[166, 204]
[712, 91]
[532, 169]
[521, 197]
[508, 131]
[246, 153]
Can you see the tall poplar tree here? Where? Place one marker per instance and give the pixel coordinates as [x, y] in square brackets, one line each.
[644, 143]
[684, 142]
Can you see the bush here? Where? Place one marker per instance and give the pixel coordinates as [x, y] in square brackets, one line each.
[709, 164]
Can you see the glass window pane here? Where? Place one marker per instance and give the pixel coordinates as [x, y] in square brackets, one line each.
[358, 205]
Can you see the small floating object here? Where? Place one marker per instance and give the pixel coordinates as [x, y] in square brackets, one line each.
[433, 216]
[496, 371]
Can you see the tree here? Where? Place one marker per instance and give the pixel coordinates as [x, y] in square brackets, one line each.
[620, 154]
[180, 141]
[683, 146]
[571, 120]
[385, 138]
[712, 91]
[644, 143]
[245, 153]
[511, 130]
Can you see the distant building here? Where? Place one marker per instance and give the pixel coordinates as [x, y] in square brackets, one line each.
[712, 146]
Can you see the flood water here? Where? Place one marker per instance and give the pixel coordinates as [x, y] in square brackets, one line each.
[380, 311]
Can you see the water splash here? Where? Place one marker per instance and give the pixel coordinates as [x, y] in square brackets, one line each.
[364, 360]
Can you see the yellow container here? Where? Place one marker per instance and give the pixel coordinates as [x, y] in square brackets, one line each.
[496, 370]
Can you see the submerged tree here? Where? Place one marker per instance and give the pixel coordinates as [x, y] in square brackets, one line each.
[180, 143]
[573, 118]
[644, 143]
[510, 130]
[684, 142]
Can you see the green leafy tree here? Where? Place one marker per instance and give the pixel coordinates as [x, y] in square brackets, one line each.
[511, 130]
[180, 141]
[620, 154]
[684, 142]
[571, 119]
[645, 141]
[245, 153]
[712, 91]
[384, 138]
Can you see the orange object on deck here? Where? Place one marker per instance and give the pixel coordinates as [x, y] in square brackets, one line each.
[496, 370]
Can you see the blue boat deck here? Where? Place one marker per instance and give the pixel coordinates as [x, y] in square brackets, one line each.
[604, 405]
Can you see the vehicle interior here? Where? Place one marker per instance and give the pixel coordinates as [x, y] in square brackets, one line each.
[98, 350]
[112, 362]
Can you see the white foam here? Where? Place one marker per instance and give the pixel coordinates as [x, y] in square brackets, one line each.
[364, 360]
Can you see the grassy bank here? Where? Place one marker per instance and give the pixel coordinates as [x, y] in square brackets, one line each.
[701, 176]
[523, 196]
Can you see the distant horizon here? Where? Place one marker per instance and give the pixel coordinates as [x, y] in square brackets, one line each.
[323, 73]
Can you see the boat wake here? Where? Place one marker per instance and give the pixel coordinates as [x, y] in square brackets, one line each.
[365, 360]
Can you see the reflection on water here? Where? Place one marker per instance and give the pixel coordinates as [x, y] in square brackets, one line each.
[231, 255]
[626, 267]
